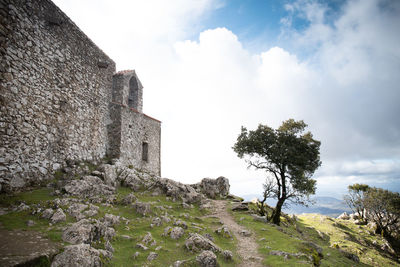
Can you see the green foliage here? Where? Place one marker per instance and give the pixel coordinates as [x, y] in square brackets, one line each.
[355, 198]
[288, 155]
[383, 208]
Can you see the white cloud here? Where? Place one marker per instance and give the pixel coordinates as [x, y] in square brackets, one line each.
[204, 90]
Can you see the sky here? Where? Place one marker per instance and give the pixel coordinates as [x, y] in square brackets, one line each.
[209, 67]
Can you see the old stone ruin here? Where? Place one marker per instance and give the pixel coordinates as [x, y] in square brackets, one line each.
[61, 100]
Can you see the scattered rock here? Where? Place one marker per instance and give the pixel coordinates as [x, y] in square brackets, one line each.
[89, 186]
[111, 220]
[152, 256]
[196, 242]
[176, 232]
[207, 259]
[148, 239]
[110, 175]
[243, 206]
[259, 218]
[58, 216]
[213, 188]
[30, 223]
[245, 233]
[129, 199]
[343, 216]
[227, 254]
[223, 231]
[78, 256]
[141, 246]
[177, 190]
[75, 210]
[137, 253]
[109, 247]
[86, 231]
[142, 208]
[47, 213]
[181, 224]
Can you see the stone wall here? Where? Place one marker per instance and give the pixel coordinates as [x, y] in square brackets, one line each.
[54, 93]
[135, 138]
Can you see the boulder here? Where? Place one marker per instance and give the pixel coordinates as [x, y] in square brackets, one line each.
[243, 206]
[81, 255]
[142, 208]
[111, 220]
[214, 188]
[227, 254]
[178, 191]
[224, 231]
[152, 256]
[110, 174]
[58, 216]
[148, 239]
[129, 199]
[89, 186]
[207, 259]
[47, 213]
[343, 216]
[75, 210]
[87, 231]
[176, 232]
[196, 242]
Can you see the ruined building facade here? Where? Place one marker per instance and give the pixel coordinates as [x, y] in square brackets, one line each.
[61, 100]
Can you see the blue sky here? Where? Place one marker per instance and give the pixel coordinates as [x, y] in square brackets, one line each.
[210, 66]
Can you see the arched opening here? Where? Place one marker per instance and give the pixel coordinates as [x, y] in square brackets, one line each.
[133, 98]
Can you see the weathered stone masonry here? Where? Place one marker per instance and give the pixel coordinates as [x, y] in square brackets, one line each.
[56, 100]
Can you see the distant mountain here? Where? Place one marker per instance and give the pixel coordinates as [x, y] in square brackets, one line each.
[324, 205]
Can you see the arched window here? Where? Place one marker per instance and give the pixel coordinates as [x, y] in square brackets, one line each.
[133, 98]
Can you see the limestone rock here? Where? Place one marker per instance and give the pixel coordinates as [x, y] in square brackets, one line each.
[196, 242]
[152, 256]
[111, 220]
[314, 246]
[81, 255]
[176, 232]
[213, 188]
[181, 224]
[224, 231]
[47, 213]
[243, 206]
[110, 174]
[75, 210]
[207, 259]
[129, 199]
[343, 216]
[177, 190]
[148, 238]
[350, 256]
[88, 186]
[227, 254]
[142, 208]
[87, 231]
[58, 216]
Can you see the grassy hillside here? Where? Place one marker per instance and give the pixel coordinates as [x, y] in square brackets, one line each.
[291, 244]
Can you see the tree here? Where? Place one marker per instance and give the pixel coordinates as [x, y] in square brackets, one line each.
[383, 208]
[288, 155]
[355, 198]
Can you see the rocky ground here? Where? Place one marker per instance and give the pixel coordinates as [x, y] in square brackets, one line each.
[110, 215]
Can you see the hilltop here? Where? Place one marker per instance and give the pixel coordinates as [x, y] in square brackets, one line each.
[109, 215]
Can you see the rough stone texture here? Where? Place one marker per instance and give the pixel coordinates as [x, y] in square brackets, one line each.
[87, 231]
[142, 208]
[130, 128]
[176, 232]
[58, 216]
[177, 190]
[54, 97]
[343, 216]
[88, 186]
[196, 242]
[207, 259]
[59, 100]
[213, 187]
[81, 255]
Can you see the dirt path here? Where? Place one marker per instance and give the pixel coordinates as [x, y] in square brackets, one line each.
[247, 247]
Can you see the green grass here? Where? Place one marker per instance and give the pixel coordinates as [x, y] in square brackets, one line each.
[29, 197]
